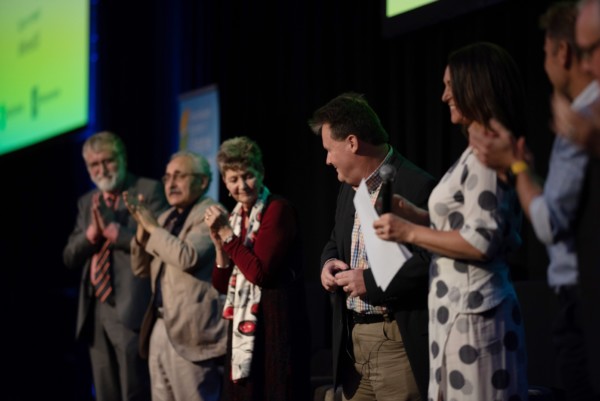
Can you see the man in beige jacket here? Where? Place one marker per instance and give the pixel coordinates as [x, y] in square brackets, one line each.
[183, 334]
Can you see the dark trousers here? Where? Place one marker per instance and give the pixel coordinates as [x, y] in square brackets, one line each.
[570, 345]
[588, 260]
[119, 372]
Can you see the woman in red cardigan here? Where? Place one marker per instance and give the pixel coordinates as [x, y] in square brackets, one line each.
[259, 266]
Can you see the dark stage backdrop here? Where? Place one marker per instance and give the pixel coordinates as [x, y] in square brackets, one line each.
[274, 65]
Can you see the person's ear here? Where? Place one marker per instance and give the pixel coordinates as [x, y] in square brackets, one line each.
[203, 182]
[352, 143]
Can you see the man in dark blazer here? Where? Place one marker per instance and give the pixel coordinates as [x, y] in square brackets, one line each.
[110, 314]
[379, 338]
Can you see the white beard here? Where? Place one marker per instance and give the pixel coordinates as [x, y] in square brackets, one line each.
[110, 183]
[106, 184]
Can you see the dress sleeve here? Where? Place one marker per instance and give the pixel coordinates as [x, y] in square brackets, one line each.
[483, 213]
[220, 278]
[261, 264]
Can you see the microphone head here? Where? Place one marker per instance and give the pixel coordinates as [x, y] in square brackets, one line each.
[387, 172]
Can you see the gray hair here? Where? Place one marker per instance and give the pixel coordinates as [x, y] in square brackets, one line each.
[199, 163]
[104, 139]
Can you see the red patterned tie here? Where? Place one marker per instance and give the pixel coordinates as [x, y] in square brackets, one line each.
[100, 272]
[100, 268]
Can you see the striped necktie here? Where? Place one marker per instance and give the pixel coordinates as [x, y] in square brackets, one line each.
[100, 269]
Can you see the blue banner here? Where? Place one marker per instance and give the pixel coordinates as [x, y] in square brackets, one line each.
[199, 128]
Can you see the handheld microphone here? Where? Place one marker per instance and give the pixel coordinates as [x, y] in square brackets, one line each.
[387, 172]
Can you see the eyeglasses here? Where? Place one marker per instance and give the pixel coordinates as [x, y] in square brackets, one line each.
[97, 163]
[177, 177]
[587, 51]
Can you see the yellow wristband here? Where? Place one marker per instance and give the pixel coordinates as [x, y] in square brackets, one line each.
[519, 167]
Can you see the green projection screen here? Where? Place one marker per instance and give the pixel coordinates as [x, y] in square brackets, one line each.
[401, 16]
[395, 7]
[44, 68]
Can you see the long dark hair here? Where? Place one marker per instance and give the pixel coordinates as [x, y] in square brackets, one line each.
[486, 83]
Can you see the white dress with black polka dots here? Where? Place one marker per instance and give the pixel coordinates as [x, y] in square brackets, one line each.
[476, 337]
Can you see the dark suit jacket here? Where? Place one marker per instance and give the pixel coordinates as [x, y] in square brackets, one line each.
[406, 294]
[131, 294]
[588, 259]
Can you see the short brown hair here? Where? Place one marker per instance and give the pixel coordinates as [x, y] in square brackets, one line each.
[240, 153]
[349, 113]
[559, 24]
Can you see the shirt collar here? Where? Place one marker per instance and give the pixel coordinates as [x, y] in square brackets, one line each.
[374, 180]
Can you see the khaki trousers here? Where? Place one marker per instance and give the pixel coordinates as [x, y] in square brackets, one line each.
[382, 368]
[174, 378]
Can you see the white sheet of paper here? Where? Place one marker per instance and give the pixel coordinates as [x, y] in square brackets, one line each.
[385, 257]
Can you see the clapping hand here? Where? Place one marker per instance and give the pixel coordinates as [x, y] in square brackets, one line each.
[581, 129]
[217, 219]
[133, 204]
[142, 215]
[102, 216]
[497, 148]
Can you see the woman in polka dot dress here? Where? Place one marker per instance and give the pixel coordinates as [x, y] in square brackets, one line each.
[476, 336]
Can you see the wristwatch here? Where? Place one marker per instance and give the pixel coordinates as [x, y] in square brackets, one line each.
[515, 169]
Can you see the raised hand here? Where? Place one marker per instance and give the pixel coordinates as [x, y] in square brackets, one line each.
[94, 230]
[132, 203]
[583, 130]
[144, 217]
[216, 217]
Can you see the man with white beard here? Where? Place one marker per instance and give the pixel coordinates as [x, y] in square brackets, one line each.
[112, 301]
